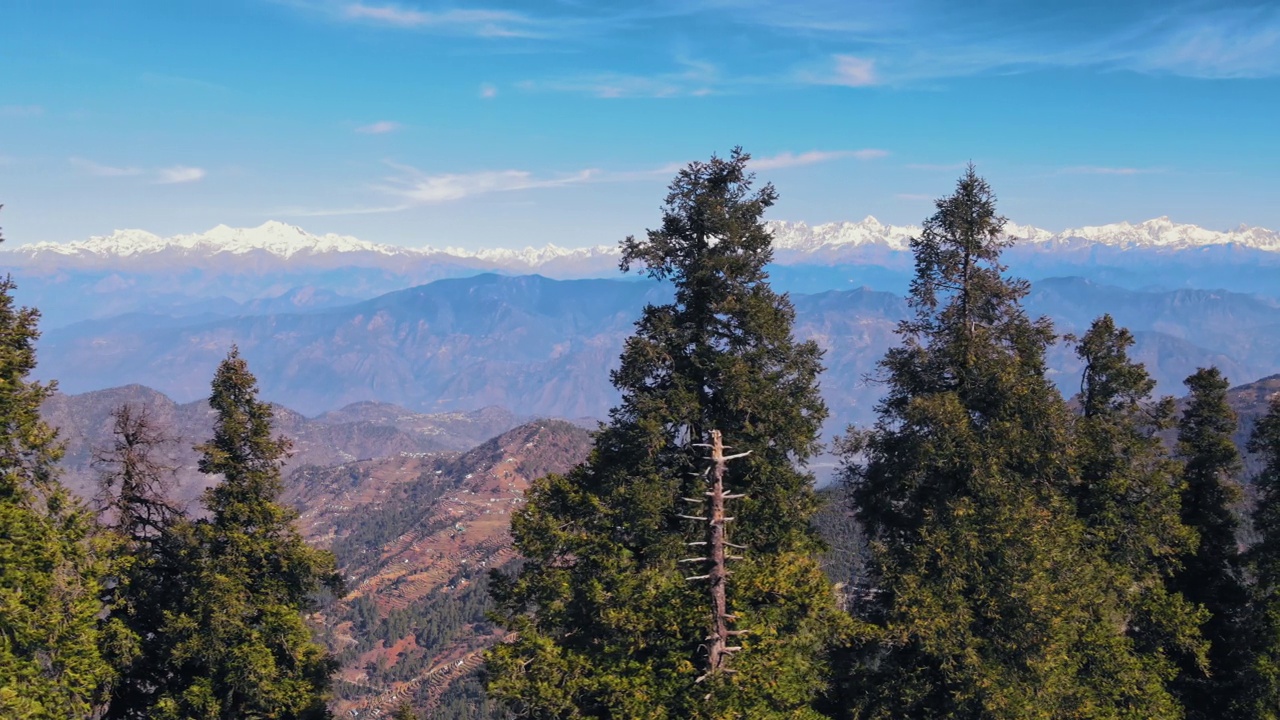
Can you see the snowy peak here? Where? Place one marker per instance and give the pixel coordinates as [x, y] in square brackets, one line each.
[794, 241]
[273, 237]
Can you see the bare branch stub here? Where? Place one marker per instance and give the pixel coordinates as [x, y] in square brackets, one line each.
[718, 647]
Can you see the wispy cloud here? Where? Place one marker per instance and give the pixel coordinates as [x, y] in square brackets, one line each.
[163, 176]
[488, 92]
[179, 174]
[382, 127]
[695, 78]
[483, 23]
[21, 111]
[937, 167]
[853, 71]
[98, 170]
[787, 159]
[419, 188]
[408, 187]
[1181, 37]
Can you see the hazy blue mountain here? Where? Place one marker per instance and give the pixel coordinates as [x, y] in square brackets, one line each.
[545, 347]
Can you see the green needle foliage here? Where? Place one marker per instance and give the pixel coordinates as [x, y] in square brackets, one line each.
[608, 625]
[1129, 495]
[992, 600]
[1261, 698]
[1212, 575]
[51, 663]
[235, 642]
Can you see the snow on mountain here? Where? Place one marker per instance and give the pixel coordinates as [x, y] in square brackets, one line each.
[286, 241]
[796, 239]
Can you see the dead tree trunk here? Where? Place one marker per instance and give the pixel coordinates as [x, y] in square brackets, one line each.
[717, 577]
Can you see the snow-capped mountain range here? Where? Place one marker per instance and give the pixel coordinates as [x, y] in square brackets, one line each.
[792, 239]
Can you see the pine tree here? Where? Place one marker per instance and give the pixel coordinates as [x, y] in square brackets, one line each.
[608, 624]
[991, 601]
[51, 660]
[1261, 690]
[1211, 574]
[236, 644]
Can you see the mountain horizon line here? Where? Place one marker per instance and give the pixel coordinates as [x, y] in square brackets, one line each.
[284, 240]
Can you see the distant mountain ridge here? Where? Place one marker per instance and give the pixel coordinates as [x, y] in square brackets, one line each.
[545, 347]
[285, 241]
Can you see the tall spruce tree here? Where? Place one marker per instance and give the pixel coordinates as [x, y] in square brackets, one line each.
[235, 643]
[1261, 690]
[1129, 496]
[992, 602]
[609, 626]
[1211, 573]
[51, 662]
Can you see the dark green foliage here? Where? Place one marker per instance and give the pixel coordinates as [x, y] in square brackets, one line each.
[233, 643]
[990, 599]
[1129, 496]
[1261, 698]
[1211, 573]
[51, 663]
[608, 626]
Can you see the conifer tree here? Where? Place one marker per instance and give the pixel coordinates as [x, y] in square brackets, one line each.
[1260, 697]
[609, 626]
[1211, 573]
[1129, 496]
[236, 644]
[51, 662]
[991, 601]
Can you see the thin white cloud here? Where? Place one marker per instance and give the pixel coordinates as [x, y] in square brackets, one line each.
[382, 127]
[488, 92]
[787, 159]
[852, 71]
[163, 176]
[484, 23]
[90, 167]
[410, 187]
[696, 78]
[21, 111]
[420, 188]
[937, 167]
[179, 174]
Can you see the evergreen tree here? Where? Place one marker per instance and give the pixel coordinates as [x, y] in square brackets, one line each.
[1261, 694]
[51, 663]
[608, 625]
[1130, 493]
[235, 643]
[991, 601]
[1211, 573]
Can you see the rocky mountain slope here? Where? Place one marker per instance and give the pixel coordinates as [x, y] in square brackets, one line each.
[365, 430]
[415, 536]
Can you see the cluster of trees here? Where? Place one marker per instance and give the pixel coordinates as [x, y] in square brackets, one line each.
[140, 609]
[1027, 555]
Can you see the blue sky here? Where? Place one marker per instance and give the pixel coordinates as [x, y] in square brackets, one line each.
[509, 124]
